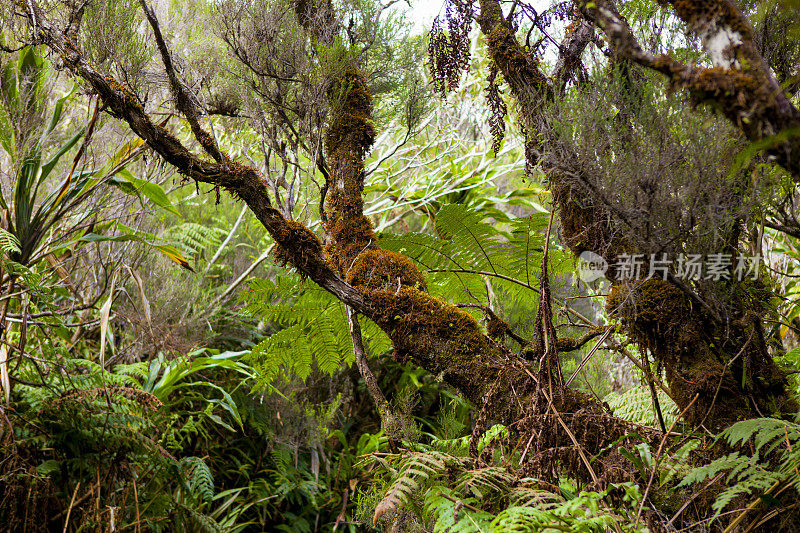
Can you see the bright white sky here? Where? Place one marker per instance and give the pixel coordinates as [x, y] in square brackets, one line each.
[422, 13]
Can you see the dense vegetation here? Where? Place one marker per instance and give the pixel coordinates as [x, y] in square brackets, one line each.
[288, 266]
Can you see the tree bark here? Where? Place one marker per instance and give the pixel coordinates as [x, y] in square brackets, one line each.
[725, 363]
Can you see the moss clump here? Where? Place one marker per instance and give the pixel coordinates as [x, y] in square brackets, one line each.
[658, 318]
[701, 13]
[382, 269]
[296, 245]
[351, 234]
[496, 327]
[352, 126]
[648, 303]
[347, 139]
[518, 67]
[584, 226]
[443, 339]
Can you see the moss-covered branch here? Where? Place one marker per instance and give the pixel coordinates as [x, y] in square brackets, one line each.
[702, 357]
[740, 85]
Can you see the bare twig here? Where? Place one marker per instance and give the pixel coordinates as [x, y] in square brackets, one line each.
[658, 455]
[381, 404]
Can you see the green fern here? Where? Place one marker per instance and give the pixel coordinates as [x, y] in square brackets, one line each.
[451, 513]
[202, 480]
[529, 495]
[775, 442]
[482, 482]
[9, 242]
[582, 512]
[314, 330]
[462, 494]
[467, 251]
[416, 471]
[636, 405]
[193, 238]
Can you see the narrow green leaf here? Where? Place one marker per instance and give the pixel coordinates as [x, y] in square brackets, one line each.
[151, 191]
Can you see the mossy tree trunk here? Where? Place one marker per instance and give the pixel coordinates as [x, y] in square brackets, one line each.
[718, 368]
[388, 289]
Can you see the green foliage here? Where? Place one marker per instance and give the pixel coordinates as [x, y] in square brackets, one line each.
[314, 330]
[415, 471]
[39, 208]
[194, 238]
[770, 468]
[636, 405]
[452, 516]
[101, 421]
[202, 480]
[467, 250]
[458, 494]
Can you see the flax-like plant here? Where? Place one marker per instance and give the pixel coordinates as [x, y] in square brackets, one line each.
[44, 213]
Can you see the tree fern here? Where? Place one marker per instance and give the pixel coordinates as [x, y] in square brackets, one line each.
[467, 251]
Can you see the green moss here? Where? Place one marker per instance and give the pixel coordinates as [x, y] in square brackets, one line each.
[296, 245]
[382, 269]
[651, 302]
[442, 338]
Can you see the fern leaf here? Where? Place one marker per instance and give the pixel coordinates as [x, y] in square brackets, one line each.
[9, 242]
[454, 516]
[482, 482]
[416, 469]
[636, 405]
[202, 480]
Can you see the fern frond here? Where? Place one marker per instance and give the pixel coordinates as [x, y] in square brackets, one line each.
[454, 516]
[636, 405]
[774, 441]
[525, 520]
[530, 496]
[193, 238]
[316, 330]
[9, 242]
[468, 252]
[202, 480]
[482, 482]
[416, 470]
[284, 351]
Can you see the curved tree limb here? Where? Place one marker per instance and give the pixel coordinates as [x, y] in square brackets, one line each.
[740, 84]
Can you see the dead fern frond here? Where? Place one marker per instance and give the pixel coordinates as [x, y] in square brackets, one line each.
[449, 53]
[143, 398]
[497, 123]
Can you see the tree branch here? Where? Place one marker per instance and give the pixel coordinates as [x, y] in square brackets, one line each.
[740, 85]
[184, 102]
[242, 181]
